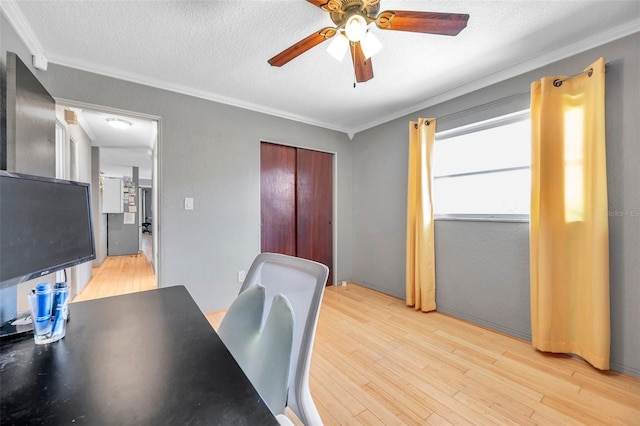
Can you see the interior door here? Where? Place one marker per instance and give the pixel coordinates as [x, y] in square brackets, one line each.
[314, 199]
[278, 198]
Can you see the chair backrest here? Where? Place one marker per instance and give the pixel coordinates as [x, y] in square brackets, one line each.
[302, 282]
[268, 368]
[240, 327]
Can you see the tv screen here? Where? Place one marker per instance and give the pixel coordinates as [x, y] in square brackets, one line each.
[45, 226]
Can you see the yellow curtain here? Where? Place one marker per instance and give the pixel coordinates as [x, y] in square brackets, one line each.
[569, 228]
[421, 270]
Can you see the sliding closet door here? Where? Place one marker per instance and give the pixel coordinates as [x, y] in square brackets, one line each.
[278, 198]
[296, 196]
[315, 206]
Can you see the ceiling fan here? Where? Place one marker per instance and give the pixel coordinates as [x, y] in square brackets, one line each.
[352, 19]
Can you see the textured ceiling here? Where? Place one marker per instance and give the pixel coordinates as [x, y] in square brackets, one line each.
[218, 50]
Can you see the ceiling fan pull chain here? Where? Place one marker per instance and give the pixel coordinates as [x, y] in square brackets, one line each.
[353, 61]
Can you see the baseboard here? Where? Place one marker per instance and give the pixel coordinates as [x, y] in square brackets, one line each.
[380, 289]
[624, 369]
[487, 324]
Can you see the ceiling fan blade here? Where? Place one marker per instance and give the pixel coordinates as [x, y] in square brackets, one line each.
[318, 3]
[302, 46]
[327, 5]
[362, 66]
[422, 22]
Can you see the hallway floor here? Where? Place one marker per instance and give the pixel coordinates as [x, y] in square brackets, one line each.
[122, 274]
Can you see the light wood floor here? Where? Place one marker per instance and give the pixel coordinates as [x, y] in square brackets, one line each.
[121, 275]
[377, 362]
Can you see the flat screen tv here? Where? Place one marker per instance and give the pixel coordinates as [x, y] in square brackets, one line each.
[45, 226]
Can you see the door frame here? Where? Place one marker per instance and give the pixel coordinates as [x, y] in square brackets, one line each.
[155, 167]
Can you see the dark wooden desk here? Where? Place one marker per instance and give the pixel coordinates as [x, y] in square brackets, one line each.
[147, 358]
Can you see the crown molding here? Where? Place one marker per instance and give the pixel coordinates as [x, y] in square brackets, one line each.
[185, 90]
[177, 88]
[594, 41]
[22, 27]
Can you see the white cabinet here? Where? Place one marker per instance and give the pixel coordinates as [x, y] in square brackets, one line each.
[112, 189]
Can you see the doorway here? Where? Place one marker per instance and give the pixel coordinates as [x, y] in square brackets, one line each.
[296, 203]
[119, 145]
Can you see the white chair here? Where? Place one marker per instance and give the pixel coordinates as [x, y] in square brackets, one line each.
[263, 351]
[283, 420]
[268, 367]
[302, 282]
[240, 327]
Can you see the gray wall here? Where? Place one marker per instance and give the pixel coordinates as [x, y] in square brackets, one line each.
[483, 274]
[210, 152]
[31, 119]
[482, 268]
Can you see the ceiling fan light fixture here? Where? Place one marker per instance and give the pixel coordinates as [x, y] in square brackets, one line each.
[355, 28]
[118, 123]
[338, 47]
[370, 45]
[352, 19]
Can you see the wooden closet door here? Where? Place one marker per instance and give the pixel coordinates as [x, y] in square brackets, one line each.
[278, 198]
[314, 199]
[296, 203]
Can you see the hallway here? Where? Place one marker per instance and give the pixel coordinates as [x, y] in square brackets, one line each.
[122, 274]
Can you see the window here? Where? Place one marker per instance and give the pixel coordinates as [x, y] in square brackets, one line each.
[482, 170]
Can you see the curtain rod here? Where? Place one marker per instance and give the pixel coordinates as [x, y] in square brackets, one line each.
[558, 81]
[524, 92]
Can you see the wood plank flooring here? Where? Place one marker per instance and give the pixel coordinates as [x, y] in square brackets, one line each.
[120, 275]
[378, 362]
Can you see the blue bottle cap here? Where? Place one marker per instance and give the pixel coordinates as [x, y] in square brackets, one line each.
[43, 288]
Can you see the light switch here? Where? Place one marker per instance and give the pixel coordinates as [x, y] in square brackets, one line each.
[188, 203]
